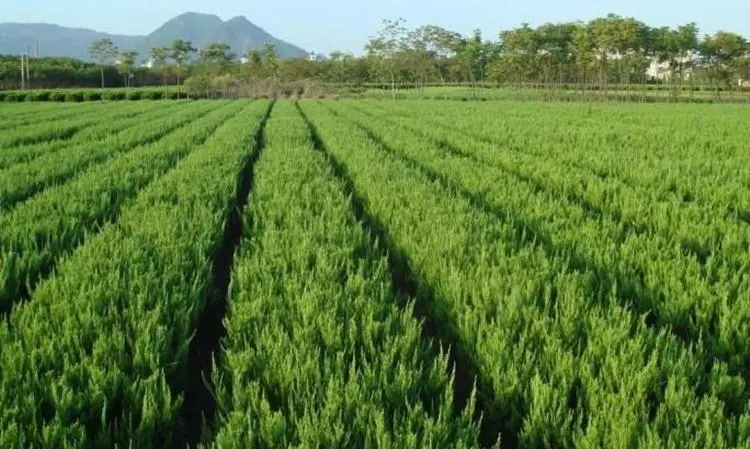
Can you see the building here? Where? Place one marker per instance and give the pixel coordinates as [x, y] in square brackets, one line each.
[660, 70]
[312, 56]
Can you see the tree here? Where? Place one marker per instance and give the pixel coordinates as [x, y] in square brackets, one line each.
[297, 69]
[103, 51]
[271, 59]
[604, 37]
[255, 68]
[520, 48]
[686, 37]
[441, 45]
[127, 65]
[181, 53]
[723, 53]
[337, 66]
[476, 54]
[554, 43]
[384, 48]
[216, 56]
[159, 57]
[418, 58]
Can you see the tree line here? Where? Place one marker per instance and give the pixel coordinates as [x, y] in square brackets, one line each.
[610, 52]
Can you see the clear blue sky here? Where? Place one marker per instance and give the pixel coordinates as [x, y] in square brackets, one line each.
[327, 25]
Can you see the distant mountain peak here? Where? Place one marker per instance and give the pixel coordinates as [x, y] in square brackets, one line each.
[241, 19]
[198, 15]
[200, 28]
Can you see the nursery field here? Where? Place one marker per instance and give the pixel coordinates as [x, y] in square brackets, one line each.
[374, 274]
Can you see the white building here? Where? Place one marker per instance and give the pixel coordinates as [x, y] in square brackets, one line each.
[660, 70]
[312, 56]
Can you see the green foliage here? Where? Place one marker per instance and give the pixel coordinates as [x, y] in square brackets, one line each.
[21, 181]
[318, 352]
[75, 96]
[24, 261]
[134, 95]
[92, 95]
[607, 53]
[607, 290]
[131, 349]
[85, 95]
[409, 274]
[114, 95]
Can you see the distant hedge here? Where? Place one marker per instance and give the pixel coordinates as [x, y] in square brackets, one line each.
[81, 95]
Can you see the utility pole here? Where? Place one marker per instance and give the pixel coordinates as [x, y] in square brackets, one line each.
[23, 74]
[28, 77]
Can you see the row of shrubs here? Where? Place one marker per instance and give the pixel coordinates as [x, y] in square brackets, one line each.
[288, 90]
[579, 98]
[81, 95]
[685, 87]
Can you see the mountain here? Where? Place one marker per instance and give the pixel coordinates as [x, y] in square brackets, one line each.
[201, 29]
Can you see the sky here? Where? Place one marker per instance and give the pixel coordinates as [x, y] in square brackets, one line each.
[326, 25]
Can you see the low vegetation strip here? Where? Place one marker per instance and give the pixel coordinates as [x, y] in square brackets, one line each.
[28, 114]
[23, 111]
[318, 353]
[674, 293]
[626, 257]
[110, 122]
[63, 127]
[682, 264]
[20, 182]
[111, 329]
[227, 274]
[60, 218]
[689, 156]
[93, 95]
[500, 279]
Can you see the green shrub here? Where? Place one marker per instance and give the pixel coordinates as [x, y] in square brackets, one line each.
[43, 95]
[115, 95]
[74, 96]
[153, 95]
[93, 95]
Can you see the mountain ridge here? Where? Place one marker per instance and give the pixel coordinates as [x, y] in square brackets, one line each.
[201, 29]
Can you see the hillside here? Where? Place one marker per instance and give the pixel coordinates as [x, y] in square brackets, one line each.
[54, 40]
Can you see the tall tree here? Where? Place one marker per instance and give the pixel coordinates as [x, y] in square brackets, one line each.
[127, 65]
[271, 59]
[159, 57]
[255, 68]
[604, 35]
[722, 54]
[338, 65]
[216, 56]
[441, 45]
[104, 52]
[520, 47]
[555, 43]
[419, 58]
[181, 52]
[687, 45]
[385, 46]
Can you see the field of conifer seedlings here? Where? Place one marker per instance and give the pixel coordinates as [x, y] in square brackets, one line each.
[374, 274]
